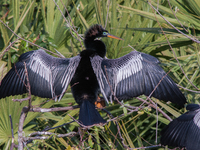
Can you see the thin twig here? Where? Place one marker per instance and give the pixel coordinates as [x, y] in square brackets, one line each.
[27, 40]
[93, 138]
[113, 119]
[147, 147]
[121, 138]
[2, 73]
[175, 16]
[25, 110]
[170, 44]
[132, 47]
[195, 40]
[152, 105]
[19, 76]
[68, 22]
[21, 100]
[61, 55]
[188, 89]
[107, 13]
[83, 126]
[38, 109]
[47, 129]
[118, 128]
[28, 87]
[7, 48]
[20, 128]
[48, 137]
[74, 29]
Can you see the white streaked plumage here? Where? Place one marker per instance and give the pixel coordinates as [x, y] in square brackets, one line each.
[133, 65]
[88, 73]
[39, 67]
[126, 77]
[132, 75]
[49, 76]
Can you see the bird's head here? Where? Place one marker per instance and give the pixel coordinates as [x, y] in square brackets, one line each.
[98, 46]
[97, 31]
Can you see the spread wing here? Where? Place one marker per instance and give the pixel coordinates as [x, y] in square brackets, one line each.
[184, 131]
[48, 76]
[135, 74]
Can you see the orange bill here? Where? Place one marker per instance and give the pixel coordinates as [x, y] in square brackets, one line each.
[114, 37]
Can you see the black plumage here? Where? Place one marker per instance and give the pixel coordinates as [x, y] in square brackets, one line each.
[135, 74]
[88, 74]
[184, 131]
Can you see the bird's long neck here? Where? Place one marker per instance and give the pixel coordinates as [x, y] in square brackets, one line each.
[96, 45]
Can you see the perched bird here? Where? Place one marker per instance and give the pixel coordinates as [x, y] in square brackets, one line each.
[90, 73]
[184, 131]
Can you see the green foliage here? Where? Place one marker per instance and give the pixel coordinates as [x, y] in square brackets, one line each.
[42, 23]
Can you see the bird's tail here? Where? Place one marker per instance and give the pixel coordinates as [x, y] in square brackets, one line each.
[88, 115]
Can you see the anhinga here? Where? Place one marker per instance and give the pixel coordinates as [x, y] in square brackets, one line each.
[184, 131]
[90, 73]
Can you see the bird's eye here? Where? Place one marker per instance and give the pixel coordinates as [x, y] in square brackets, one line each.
[105, 33]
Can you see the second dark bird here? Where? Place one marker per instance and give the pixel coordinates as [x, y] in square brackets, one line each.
[90, 73]
[184, 131]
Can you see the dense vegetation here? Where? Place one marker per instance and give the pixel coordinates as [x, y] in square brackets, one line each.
[28, 25]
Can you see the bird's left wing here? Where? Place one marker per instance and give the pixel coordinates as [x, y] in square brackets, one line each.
[48, 76]
[135, 74]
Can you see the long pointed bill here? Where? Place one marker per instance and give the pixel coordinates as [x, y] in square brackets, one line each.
[114, 37]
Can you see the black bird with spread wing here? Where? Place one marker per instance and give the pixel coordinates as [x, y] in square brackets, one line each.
[88, 73]
[184, 131]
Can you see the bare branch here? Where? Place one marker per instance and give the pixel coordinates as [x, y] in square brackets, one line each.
[195, 40]
[68, 22]
[2, 74]
[169, 42]
[28, 87]
[21, 100]
[48, 137]
[27, 40]
[147, 147]
[121, 138]
[107, 13]
[23, 113]
[7, 48]
[131, 111]
[83, 126]
[188, 89]
[163, 113]
[38, 109]
[58, 126]
[61, 55]
[20, 128]
[175, 16]
[118, 128]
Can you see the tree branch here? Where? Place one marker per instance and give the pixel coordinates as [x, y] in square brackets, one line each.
[38, 109]
[47, 137]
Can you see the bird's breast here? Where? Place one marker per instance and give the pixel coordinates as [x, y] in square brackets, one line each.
[85, 75]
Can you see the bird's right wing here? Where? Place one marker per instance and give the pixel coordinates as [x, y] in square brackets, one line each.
[184, 131]
[48, 76]
[135, 74]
